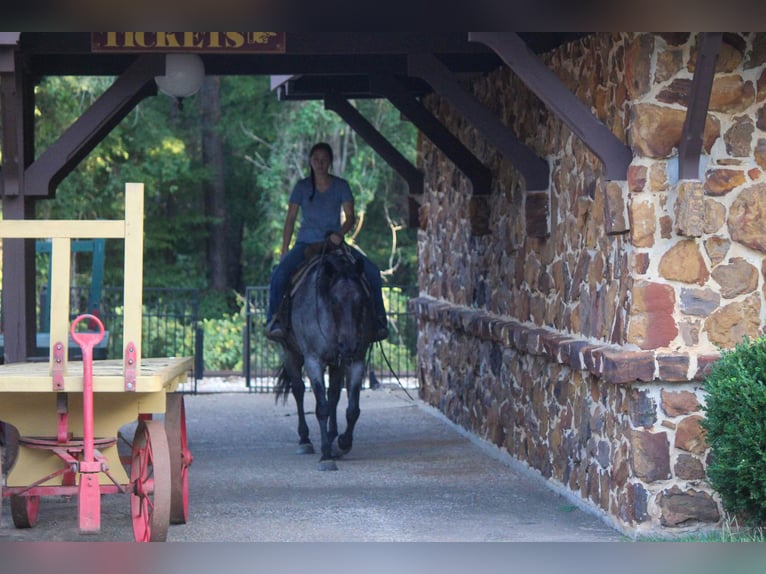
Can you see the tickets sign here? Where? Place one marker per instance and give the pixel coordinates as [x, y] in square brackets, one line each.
[198, 42]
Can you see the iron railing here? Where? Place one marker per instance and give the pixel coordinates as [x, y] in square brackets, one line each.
[170, 322]
[395, 357]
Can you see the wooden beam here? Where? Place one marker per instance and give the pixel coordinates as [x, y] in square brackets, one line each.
[18, 284]
[476, 172]
[690, 147]
[534, 169]
[70, 229]
[136, 83]
[614, 154]
[17, 107]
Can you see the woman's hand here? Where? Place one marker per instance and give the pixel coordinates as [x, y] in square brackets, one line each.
[336, 238]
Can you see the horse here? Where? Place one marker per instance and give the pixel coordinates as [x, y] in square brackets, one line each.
[329, 329]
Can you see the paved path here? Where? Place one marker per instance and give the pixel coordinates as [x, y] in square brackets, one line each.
[412, 476]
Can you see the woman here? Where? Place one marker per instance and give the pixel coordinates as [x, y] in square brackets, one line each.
[320, 198]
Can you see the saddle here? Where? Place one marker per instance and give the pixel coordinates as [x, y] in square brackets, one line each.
[314, 255]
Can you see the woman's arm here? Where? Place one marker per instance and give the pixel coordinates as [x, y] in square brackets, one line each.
[287, 231]
[348, 223]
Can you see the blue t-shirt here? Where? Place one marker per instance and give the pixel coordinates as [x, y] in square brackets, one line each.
[322, 215]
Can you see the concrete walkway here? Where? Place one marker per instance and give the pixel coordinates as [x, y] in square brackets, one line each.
[411, 476]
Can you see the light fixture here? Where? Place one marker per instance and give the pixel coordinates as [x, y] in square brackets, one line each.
[183, 75]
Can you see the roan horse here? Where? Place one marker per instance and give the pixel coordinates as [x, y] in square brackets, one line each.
[330, 328]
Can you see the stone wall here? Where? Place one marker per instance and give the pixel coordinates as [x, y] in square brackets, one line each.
[583, 353]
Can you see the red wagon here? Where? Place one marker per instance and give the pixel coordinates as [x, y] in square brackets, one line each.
[62, 418]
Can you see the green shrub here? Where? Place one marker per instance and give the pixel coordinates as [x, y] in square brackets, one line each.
[736, 429]
[223, 343]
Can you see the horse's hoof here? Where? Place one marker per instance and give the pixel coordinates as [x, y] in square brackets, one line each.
[344, 445]
[327, 465]
[338, 454]
[307, 448]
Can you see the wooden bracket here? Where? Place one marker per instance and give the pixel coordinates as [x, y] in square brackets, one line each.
[534, 169]
[544, 83]
[690, 147]
[477, 173]
[412, 175]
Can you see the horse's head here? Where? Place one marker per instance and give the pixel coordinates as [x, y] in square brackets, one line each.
[349, 304]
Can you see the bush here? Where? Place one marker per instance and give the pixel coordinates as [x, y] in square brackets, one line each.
[223, 343]
[736, 429]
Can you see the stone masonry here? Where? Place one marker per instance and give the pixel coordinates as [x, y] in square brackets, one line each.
[583, 353]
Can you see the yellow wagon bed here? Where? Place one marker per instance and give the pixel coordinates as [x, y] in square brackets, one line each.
[35, 397]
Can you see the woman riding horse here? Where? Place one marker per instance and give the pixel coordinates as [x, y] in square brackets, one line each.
[320, 198]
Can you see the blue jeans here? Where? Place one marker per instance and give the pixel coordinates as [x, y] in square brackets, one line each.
[280, 279]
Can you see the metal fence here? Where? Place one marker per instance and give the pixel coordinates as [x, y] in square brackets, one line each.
[396, 356]
[170, 323]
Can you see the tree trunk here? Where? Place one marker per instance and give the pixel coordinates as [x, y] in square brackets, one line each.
[215, 189]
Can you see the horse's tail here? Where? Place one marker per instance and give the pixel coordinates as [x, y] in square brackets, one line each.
[284, 386]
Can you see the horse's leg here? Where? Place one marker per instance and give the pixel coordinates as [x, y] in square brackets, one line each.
[355, 379]
[333, 397]
[315, 372]
[293, 370]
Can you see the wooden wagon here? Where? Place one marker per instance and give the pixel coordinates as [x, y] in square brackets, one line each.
[65, 421]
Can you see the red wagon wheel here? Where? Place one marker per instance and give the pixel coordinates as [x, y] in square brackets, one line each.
[180, 458]
[24, 510]
[150, 482]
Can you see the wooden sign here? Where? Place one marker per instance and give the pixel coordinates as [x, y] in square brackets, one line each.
[197, 42]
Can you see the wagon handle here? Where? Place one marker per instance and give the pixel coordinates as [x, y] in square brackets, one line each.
[89, 490]
[87, 339]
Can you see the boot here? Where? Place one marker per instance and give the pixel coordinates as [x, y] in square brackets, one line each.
[274, 330]
[381, 330]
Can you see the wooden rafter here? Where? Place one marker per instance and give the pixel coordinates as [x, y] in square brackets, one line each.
[412, 175]
[534, 169]
[136, 83]
[690, 148]
[614, 154]
[476, 172]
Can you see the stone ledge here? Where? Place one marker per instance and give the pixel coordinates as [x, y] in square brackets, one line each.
[614, 364]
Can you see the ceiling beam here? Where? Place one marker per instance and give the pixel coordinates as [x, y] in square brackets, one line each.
[534, 169]
[17, 108]
[613, 153]
[690, 147]
[476, 172]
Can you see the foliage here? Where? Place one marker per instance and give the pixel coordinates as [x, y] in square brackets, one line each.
[223, 343]
[736, 429]
[152, 145]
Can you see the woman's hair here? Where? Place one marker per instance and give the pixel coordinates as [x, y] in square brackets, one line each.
[317, 147]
